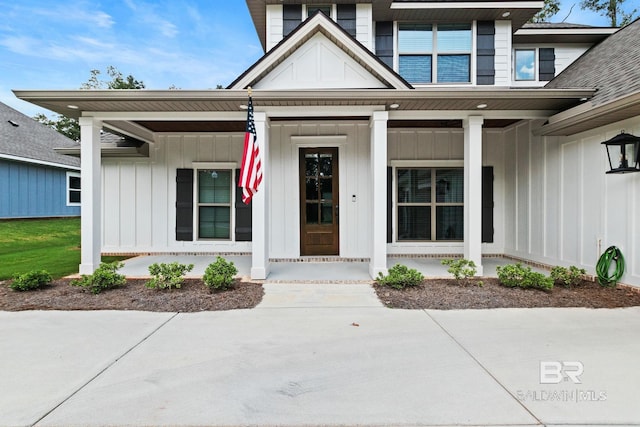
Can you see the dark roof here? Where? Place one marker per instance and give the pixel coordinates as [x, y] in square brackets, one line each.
[554, 25]
[612, 67]
[21, 136]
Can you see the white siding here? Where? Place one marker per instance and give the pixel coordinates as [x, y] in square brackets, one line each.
[572, 210]
[567, 54]
[364, 25]
[503, 53]
[139, 195]
[275, 25]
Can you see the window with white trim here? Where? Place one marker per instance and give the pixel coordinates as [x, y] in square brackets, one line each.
[325, 8]
[214, 198]
[430, 204]
[434, 53]
[73, 189]
[525, 64]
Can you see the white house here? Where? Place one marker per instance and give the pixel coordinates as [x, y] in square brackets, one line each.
[385, 127]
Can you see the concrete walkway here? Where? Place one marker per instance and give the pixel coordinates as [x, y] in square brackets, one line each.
[310, 355]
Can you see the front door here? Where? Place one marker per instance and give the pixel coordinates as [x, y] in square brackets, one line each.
[319, 230]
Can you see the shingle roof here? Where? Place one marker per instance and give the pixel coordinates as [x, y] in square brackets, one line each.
[31, 139]
[553, 25]
[612, 67]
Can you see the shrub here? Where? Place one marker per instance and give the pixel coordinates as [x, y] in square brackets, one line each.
[167, 276]
[31, 280]
[460, 268]
[400, 277]
[567, 276]
[220, 274]
[515, 275]
[105, 277]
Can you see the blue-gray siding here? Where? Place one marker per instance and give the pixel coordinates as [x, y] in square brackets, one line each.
[28, 190]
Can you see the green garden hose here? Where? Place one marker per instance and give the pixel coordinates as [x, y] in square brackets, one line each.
[612, 254]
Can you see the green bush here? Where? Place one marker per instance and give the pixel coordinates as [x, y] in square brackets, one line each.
[167, 276]
[31, 280]
[460, 268]
[567, 276]
[220, 274]
[105, 277]
[515, 275]
[400, 277]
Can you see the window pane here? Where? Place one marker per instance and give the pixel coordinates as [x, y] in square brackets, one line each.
[414, 223]
[74, 196]
[415, 69]
[327, 213]
[74, 182]
[453, 68]
[525, 64]
[449, 186]
[313, 9]
[326, 189]
[414, 185]
[453, 38]
[214, 222]
[326, 164]
[415, 38]
[214, 186]
[311, 165]
[449, 222]
[312, 213]
[311, 189]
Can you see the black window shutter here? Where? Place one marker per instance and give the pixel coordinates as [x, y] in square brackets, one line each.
[487, 204]
[347, 18]
[243, 215]
[384, 42]
[291, 18]
[184, 204]
[547, 64]
[389, 204]
[486, 69]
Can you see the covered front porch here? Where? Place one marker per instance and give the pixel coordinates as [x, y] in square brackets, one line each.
[308, 270]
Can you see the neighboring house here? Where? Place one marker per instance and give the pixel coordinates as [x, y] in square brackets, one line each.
[35, 181]
[386, 127]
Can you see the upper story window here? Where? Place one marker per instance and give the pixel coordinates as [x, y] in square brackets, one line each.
[325, 8]
[525, 64]
[438, 53]
[532, 64]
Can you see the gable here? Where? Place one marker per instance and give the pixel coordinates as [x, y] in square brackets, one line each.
[319, 64]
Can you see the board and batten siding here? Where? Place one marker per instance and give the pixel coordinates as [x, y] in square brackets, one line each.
[30, 191]
[353, 142]
[562, 209]
[139, 202]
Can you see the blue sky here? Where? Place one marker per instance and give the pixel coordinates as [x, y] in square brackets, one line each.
[192, 44]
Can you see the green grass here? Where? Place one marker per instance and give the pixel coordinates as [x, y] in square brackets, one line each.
[41, 244]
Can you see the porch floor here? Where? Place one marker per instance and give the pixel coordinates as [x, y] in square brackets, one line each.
[316, 272]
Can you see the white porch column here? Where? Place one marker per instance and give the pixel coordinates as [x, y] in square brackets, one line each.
[260, 205]
[378, 261]
[473, 190]
[91, 194]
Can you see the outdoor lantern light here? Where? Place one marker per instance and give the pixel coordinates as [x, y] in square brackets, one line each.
[628, 157]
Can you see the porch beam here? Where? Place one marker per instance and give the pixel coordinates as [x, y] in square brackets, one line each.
[260, 265]
[473, 190]
[91, 191]
[378, 260]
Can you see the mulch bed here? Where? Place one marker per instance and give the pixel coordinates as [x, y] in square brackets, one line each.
[447, 294]
[193, 296]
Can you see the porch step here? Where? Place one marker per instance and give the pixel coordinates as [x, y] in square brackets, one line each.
[299, 295]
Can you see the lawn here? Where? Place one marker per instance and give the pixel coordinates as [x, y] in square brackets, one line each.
[40, 244]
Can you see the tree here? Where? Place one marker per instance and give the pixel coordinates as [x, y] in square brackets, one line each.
[70, 127]
[611, 9]
[550, 8]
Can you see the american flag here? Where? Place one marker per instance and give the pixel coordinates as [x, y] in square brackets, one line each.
[251, 168]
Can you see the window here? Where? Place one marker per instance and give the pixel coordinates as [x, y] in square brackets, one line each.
[73, 189]
[214, 204]
[525, 64]
[430, 204]
[325, 8]
[435, 53]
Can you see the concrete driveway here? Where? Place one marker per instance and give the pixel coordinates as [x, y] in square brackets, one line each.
[335, 361]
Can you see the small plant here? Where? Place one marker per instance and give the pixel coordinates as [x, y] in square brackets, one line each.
[400, 277]
[461, 269]
[31, 280]
[167, 276]
[220, 274]
[571, 276]
[515, 275]
[105, 277]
